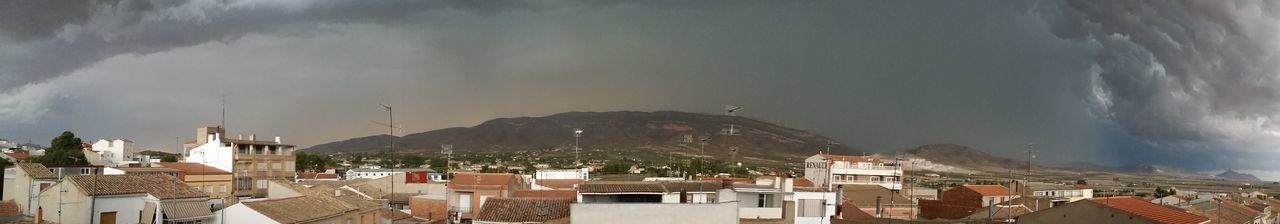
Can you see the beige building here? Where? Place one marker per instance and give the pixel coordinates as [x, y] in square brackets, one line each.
[23, 183]
[215, 182]
[293, 203]
[252, 162]
[130, 198]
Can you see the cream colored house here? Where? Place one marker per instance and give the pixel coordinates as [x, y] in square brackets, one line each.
[23, 184]
[214, 181]
[130, 198]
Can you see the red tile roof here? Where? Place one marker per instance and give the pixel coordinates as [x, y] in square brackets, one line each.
[803, 182]
[1150, 210]
[483, 180]
[523, 210]
[311, 175]
[988, 190]
[546, 194]
[19, 155]
[849, 211]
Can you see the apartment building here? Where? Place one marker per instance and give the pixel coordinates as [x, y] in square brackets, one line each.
[216, 182]
[827, 170]
[115, 152]
[252, 162]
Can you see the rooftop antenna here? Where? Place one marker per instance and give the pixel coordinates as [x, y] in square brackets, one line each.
[829, 144]
[223, 124]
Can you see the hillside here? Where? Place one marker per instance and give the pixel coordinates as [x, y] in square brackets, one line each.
[966, 157]
[664, 130]
[1232, 174]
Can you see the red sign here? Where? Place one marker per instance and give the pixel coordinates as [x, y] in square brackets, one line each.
[416, 177]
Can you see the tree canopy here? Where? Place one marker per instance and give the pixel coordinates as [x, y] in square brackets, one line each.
[66, 149]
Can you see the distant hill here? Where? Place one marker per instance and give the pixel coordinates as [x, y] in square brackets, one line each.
[663, 130]
[1232, 174]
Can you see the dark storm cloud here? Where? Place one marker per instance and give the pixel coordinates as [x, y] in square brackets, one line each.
[1180, 71]
[48, 39]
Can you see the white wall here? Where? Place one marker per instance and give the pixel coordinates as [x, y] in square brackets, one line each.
[646, 213]
[213, 154]
[239, 213]
[126, 208]
[582, 174]
[115, 152]
[830, 207]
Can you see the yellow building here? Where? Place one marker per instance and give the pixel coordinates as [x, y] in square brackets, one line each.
[215, 182]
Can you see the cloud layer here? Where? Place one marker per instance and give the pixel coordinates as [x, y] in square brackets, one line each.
[1096, 81]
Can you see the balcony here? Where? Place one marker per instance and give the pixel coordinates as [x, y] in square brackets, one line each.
[760, 213]
[871, 170]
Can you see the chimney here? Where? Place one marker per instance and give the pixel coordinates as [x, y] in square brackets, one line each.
[777, 182]
[240, 136]
[278, 140]
[788, 185]
[253, 137]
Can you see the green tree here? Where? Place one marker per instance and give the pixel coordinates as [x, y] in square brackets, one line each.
[169, 158]
[66, 149]
[1165, 191]
[412, 161]
[439, 164]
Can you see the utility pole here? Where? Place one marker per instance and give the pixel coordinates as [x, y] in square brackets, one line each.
[1027, 181]
[391, 128]
[577, 133]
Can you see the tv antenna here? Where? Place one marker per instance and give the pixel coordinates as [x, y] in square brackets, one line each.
[731, 110]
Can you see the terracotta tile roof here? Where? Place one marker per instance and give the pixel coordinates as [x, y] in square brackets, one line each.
[546, 194]
[19, 155]
[1150, 210]
[481, 180]
[392, 214]
[691, 186]
[621, 187]
[852, 158]
[523, 209]
[850, 211]
[311, 175]
[194, 168]
[803, 182]
[988, 190]
[559, 183]
[37, 171]
[297, 209]
[159, 185]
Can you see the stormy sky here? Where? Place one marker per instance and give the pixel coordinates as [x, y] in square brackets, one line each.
[1188, 83]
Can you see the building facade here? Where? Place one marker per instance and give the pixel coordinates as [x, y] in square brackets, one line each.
[23, 183]
[115, 152]
[827, 170]
[216, 182]
[252, 162]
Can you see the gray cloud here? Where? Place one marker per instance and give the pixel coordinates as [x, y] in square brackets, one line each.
[876, 75]
[1192, 71]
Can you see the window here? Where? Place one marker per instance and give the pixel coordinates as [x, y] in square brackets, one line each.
[262, 184]
[86, 171]
[765, 201]
[811, 208]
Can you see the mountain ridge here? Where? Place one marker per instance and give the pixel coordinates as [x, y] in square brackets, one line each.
[659, 130]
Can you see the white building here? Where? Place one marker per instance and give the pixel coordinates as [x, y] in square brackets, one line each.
[1067, 193]
[117, 152]
[826, 170]
[654, 202]
[375, 173]
[814, 206]
[252, 162]
[559, 174]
